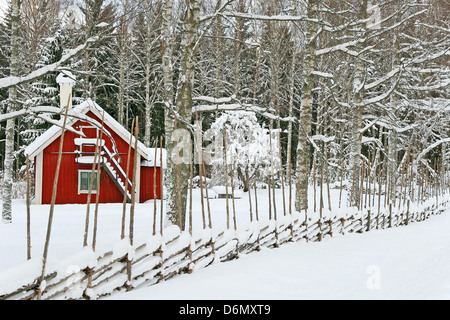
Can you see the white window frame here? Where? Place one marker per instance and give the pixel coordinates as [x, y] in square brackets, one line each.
[97, 136]
[94, 186]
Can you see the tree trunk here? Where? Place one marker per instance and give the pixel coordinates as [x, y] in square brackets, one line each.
[166, 47]
[148, 104]
[12, 106]
[176, 204]
[303, 153]
[356, 116]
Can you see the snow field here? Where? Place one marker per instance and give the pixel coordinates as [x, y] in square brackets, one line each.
[398, 263]
[68, 231]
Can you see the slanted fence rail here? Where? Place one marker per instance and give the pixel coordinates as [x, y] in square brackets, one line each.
[92, 275]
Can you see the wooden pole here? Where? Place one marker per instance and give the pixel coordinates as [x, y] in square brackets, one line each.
[232, 189]
[28, 212]
[52, 205]
[328, 180]
[256, 203]
[249, 194]
[226, 178]
[290, 167]
[133, 201]
[154, 188]
[206, 185]
[386, 189]
[367, 192]
[314, 181]
[281, 168]
[124, 205]
[272, 178]
[321, 190]
[133, 187]
[200, 169]
[342, 179]
[361, 188]
[269, 196]
[191, 176]
[97, 196]
[161, 222]
[88, 205]
[411, 179]
[380, 180]
[177, 165]
[207, 195]
[373, 176]
[190, 191]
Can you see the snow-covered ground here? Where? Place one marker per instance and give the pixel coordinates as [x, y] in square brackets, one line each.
[69, 224]
[401, 263]
[410, 262]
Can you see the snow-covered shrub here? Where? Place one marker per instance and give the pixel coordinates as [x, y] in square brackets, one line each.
[249, 148]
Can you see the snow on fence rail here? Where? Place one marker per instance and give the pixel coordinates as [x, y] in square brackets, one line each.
[92, 275]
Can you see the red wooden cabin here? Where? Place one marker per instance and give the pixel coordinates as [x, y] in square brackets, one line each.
[77, 160]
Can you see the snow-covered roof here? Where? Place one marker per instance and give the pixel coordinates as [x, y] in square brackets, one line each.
[54, 132]
[150, 162]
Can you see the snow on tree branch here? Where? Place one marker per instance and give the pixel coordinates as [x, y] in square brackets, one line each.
[13, 81]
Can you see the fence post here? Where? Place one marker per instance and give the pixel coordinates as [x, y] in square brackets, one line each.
[28, 212]
[52, 206]
[368, 220]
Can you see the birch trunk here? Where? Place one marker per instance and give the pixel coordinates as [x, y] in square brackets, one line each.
[303, 152]
[178, 174]
[167, 16]
[356, 116]
[291, 113]
[122, 62]
[148, 104]
[393, 135]
[12, 106]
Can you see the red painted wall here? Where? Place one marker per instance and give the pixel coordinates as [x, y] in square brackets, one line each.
[68, 176]
[147, 183]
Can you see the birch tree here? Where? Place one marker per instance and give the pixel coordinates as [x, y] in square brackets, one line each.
[12, 106]
[356, 109]
[303, 150]
[179, 115]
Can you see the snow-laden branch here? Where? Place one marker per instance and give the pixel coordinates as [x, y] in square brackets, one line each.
[370, 140]
[386, 77]
[324, 139]
[389, 126]
[440, 85]
[39, 112]
[396, 25]
[29, 111]
[214, 100]
[252, 16]
[380, 97]
[13, 81]
[212, 18]
[431, 147]
[222, 105]
[216, 13]
[323, 74]
[344, 47]
[445, 51]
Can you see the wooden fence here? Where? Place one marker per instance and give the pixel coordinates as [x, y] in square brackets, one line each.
[92, 275]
